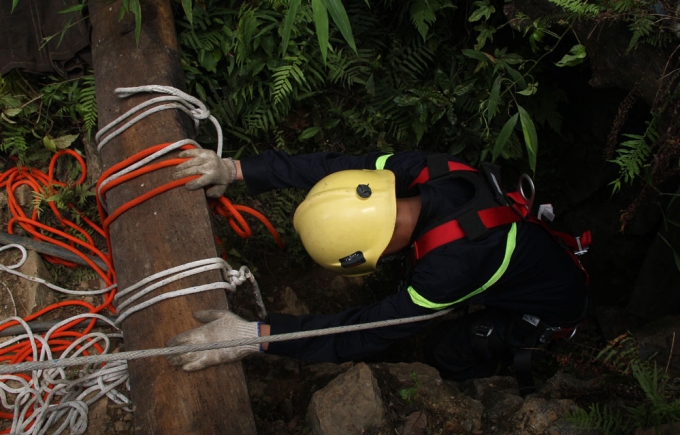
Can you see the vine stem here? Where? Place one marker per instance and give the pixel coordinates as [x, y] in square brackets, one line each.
[670, 354]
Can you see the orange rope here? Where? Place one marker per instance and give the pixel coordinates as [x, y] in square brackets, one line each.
[46, 186]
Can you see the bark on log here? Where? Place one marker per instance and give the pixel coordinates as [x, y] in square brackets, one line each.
[166, 231]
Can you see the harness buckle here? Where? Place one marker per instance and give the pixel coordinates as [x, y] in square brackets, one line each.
[548, 334]
[483, 329]
[581, 249]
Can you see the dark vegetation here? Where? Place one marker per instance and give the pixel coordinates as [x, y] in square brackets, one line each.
[481, 80]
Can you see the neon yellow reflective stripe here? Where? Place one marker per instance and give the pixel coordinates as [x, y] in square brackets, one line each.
[380, 163]
[509, 249]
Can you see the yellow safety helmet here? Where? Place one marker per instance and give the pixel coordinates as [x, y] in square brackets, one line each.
[347, 220]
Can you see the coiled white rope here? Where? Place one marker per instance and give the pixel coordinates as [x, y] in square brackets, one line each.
[178, 100]
[53, 396]
[22, 260]
[232, 278]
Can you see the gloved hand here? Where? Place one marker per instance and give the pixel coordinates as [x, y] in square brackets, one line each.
[220, 325]
[213, 171]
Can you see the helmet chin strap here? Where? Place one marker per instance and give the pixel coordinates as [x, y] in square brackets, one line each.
[408, 212]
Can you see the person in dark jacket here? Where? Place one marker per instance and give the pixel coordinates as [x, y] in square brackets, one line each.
[360, 209]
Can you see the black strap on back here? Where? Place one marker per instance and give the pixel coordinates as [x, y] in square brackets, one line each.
[437, 165]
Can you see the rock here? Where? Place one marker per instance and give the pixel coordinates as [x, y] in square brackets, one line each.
[415, 424]
[24, 196]
[37, 295]
[27, 296]
[484, 388]
[120, 426]
[564, 385]
[349, 404]
[325, 370]
[540, 416]
[499, 395]
[98, 420]
[446, 406]
[427, 377]
[292, 305]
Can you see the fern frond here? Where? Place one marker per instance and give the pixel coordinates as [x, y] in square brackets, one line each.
[422, 16]
[642, 25]
[87, 103]
[632, 156]
[580, 8]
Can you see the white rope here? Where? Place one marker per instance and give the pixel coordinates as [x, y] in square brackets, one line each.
[22, 260]
[179, 100]
[233, 279]
[54, 396]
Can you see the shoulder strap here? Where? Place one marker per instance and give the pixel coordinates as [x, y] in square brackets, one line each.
[439, 165]
[490, 208]
[453, 230]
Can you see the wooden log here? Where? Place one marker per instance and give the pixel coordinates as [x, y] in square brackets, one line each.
[166, 231]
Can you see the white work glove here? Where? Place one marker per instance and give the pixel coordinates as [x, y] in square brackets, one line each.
[220, 325]
[213, 171]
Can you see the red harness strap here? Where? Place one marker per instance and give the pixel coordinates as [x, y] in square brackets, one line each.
[424, 175]
[451, 231]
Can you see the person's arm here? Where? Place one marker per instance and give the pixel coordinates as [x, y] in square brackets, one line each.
[223, 325]
[277, 170]
[346, 346]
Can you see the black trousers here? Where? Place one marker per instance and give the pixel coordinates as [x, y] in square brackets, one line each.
[477, 344]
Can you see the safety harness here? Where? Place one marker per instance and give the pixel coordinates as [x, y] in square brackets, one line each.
[490, 208]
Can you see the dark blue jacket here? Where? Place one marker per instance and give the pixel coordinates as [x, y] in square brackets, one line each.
[540, 279]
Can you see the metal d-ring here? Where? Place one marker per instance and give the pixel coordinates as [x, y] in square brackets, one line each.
[530, 198]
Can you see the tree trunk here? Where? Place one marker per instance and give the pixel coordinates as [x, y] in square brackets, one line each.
[163, 232]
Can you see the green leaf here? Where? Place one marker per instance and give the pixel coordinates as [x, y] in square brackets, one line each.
[6, 119]
[48, 142]
[530, 136]
[63, 142]
[208, 61]
[485, 34]
[321, 23]
[503, 136]
[484, 10]
[12, 112]
[288, 22]
[14, 5]
[331, 123]
[188, 7]
[474, 54]
[136, 9]
[310, 132]
[531, 89]
[340, 18]
[516, 76]
[578, 54]
[74, 8]
[493, 98]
